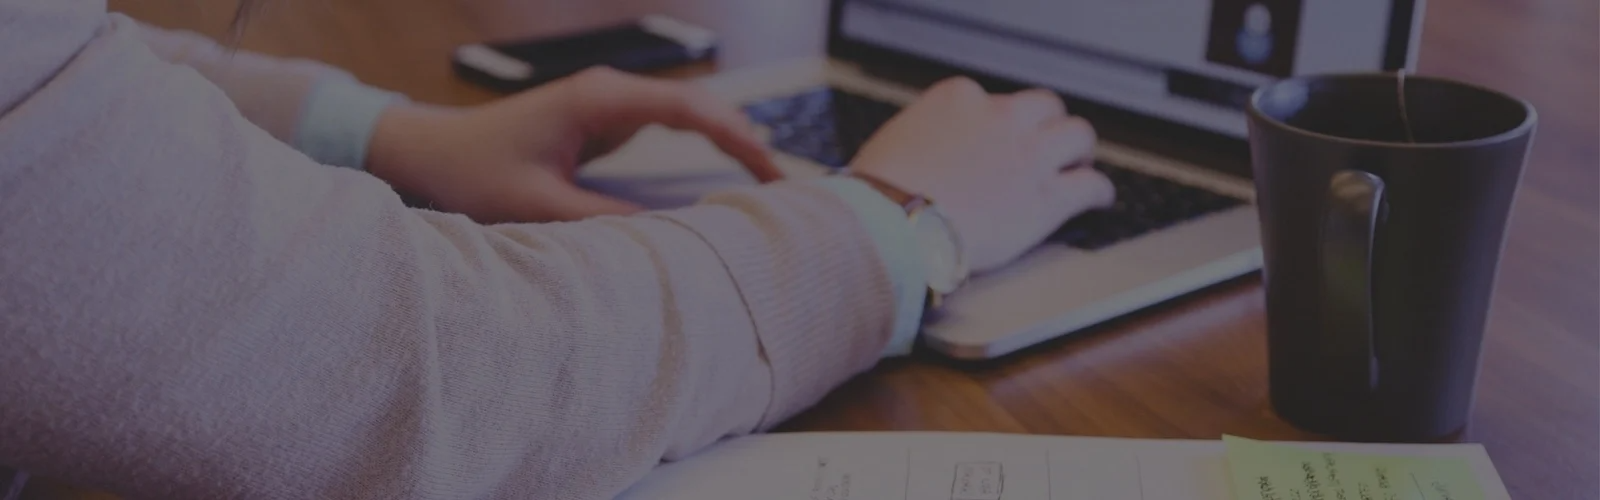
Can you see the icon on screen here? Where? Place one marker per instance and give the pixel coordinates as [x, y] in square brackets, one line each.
[1256, 35]
[1254, 40]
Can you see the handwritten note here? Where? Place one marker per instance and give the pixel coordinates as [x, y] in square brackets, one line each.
[1269, 471]
[977, 481]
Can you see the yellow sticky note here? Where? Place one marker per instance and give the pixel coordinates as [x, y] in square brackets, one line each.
[1271, 471]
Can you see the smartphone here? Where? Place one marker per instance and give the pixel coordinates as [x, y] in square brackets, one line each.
[650, 43]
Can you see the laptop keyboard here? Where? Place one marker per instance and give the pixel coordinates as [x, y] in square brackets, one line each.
[1144, 203]
[829, 126]
[825, 125]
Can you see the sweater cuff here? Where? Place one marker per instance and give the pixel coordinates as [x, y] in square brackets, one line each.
[819, 300]
[893, 238]
[337, 123]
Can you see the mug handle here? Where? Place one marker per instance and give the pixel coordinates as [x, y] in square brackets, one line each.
[1355, 199]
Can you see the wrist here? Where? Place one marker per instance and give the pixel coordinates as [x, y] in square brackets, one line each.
[399, 143]
[389, 135]
[936, 236]
[338, 121]
[939, 248]
[886, 224]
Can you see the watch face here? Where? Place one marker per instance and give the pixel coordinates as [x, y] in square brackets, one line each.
[941, 257]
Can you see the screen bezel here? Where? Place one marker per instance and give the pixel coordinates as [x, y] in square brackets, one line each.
[1160, 135]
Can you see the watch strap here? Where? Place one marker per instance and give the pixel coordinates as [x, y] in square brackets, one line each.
[907, 200]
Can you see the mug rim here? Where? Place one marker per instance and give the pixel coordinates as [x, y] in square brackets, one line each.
[1529, 118]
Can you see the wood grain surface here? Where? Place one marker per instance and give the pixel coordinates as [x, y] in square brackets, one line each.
[1193, 368]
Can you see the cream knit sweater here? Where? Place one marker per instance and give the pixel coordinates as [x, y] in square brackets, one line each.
[189, 308]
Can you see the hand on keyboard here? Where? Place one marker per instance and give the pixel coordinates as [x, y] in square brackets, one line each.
[829, 126]
[1001, 167]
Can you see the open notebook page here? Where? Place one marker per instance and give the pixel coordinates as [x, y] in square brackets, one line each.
[967, 466]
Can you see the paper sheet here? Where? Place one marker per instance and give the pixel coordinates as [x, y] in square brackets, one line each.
[970, 466]
[1269, 471]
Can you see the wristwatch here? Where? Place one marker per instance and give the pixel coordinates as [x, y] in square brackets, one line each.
[944, 262]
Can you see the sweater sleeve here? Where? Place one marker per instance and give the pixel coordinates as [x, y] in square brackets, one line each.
[193, 309]
[336, 120]
[335, 123]
[321, 110]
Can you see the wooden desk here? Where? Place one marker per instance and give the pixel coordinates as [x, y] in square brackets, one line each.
[1190, 369]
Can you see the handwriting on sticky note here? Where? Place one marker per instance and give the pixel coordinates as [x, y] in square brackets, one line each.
[1270, 471]
[977, 481]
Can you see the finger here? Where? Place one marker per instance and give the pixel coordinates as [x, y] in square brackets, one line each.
[1033, 107]
[626, 103]
[731, 131]
[956, 86]
[1064, 142]
[1079, 190]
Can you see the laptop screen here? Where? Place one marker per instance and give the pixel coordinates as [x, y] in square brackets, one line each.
[1193, 62]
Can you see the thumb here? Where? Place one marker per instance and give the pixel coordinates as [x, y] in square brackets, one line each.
[629, 103]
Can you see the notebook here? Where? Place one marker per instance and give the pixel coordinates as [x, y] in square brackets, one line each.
[971, 466]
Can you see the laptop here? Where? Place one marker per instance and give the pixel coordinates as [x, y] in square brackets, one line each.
[1164, 82]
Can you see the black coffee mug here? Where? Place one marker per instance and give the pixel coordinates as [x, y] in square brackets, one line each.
[1383, 201]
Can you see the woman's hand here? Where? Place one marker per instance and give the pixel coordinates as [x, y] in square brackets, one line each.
[514, 160]
[1007, 170]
